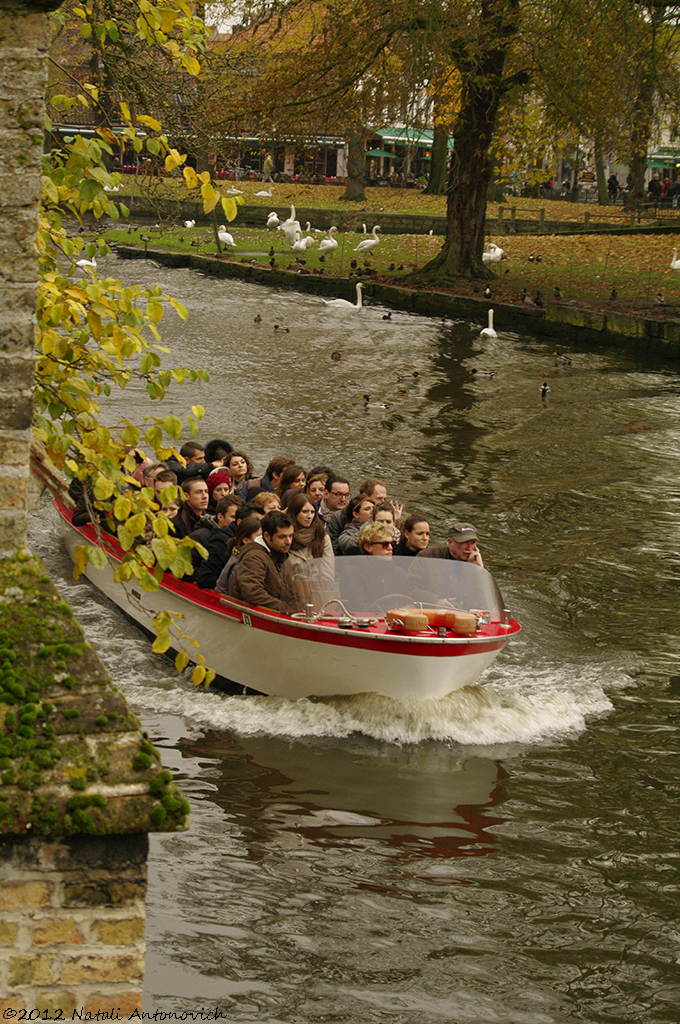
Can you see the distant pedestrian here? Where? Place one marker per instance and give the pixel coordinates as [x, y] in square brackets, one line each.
[268, 167]
[613, 187]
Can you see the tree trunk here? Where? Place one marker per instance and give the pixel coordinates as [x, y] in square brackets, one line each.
[602, 190]
[481, 68]
[356, 165]
[643, 118]
[438, 165]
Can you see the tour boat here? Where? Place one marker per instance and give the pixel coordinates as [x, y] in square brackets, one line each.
[403, 627]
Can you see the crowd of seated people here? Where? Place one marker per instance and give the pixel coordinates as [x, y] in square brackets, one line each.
[253, 531]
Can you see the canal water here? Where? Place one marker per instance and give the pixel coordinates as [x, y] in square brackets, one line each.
[507, 855]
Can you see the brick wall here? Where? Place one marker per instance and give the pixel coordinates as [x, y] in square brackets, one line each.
[72, 925]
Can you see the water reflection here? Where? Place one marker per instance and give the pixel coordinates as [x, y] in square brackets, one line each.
[315, 793]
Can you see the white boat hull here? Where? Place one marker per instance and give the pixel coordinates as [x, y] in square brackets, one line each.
[293, 658]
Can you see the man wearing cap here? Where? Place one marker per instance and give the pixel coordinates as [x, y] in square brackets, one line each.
[461, 546]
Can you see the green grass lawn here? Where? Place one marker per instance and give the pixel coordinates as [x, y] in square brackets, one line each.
[585, 268]
[392, 200]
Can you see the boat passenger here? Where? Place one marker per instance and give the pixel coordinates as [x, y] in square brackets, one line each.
[310, 539]
[216, 452]
[359, 512]
[240, 469]
[332, 508]
[375, 539]
[386, 512]
[324, 471]
[219, 541]
[461, 546]
[246, 532]
[164, 479]
[315, 487]
[267, 501]
[270, 480]
[415, 536]
[263, 575]
[292, 481]
[151, 471]
[242, 511]
[194, 464]
[219, 485]
[193, 508]
[375, 489]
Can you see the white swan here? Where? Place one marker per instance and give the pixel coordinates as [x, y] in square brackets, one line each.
[235, 191]
[329, 244]
[489, 332]
[263, 192]
[675, 262]
[494, 255]
[290, 226]
[85, 264]
[369, 243]
[344, 303]
[272, 220]
[224, 236]
[189, 223]
[301, 244]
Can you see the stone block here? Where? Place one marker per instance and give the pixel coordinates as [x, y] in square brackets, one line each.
[56, 1005]
[14, 449]
[18, 298]
[19, 335]
[15, 268]
[8, 933]
[12, 488]
[102, 969]
[107, 892]
[125, 1003]
[119, 933]
[115, 854]
[30, 30]
[53, 931]
[11, 1003]
[22, 77]
[17, 375]
[12, 538]
[16, 894]
[31, 970]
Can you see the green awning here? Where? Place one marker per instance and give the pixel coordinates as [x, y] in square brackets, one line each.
[380, 152]
[663, 158]
[407, 136]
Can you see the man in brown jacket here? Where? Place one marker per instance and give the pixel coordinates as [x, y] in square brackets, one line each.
[263, 575]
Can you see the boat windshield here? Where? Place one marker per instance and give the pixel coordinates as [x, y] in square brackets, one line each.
[372, 586]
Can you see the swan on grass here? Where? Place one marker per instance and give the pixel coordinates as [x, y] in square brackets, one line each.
[675, 262]
[189, 223]
[329, 243]
[290, 226]
[488, 332]
[494, 255]
[302, 244]
[264, 193]
[272, 220]
[345, 303]
[224, 236]
[369, 243]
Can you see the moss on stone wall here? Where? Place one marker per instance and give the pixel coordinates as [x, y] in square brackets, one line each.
[72, 756]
